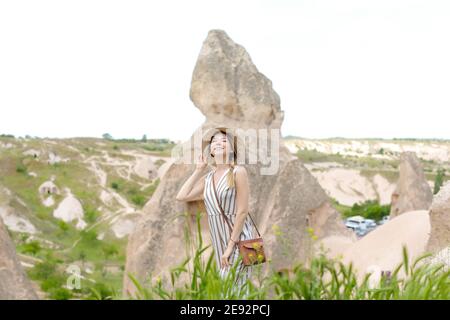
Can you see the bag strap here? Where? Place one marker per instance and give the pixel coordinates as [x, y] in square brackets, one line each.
[223, 213]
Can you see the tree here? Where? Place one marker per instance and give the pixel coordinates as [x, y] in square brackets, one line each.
[439, 180]
[370, 209]
[144, 138]
[107, 136]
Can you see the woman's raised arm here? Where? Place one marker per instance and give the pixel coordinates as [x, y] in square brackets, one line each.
[192, 189]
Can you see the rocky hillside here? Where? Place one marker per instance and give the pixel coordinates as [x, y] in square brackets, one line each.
[72, 203]
[356, 170]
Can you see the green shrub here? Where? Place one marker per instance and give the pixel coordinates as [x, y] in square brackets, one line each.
[32, 247]
[115, 185]
[138, 200]
[438, 180]
[91, 215]
[89, 236]
[60, 294]
[52, 282]
[63, 226]
[370, 209]
[100, 291]
[43, 270]
[24, 237]
[82, 256]
[21, 168]
[109, 250]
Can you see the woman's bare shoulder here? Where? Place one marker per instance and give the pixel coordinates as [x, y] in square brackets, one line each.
[240, 171]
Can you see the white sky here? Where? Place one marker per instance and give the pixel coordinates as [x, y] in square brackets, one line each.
[342, 68]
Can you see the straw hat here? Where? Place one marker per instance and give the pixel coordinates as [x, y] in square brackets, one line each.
[209, 133]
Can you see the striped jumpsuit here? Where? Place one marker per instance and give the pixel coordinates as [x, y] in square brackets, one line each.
[219, 230]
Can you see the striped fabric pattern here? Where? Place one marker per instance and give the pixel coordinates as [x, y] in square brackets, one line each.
[219, 230]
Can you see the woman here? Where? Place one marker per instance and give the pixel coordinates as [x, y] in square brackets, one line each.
[232, 189]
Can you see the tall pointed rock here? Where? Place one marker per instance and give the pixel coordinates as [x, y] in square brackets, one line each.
[413, 191]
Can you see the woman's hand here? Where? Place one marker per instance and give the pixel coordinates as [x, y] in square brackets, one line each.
[226, 255]
[201, 163]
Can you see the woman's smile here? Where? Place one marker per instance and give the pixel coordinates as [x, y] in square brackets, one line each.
[219, 145]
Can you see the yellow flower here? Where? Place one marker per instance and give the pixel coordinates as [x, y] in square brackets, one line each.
[311, 233]
[276, 229]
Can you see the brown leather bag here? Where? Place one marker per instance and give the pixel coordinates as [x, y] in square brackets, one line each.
[251, 250]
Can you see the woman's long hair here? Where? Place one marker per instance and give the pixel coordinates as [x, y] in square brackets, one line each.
[232, 155]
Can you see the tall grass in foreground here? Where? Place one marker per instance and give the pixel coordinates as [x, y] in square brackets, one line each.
[321, 278]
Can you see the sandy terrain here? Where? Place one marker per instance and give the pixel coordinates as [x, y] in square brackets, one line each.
[15, 222]
[70, 209]
[334, 246]
[381, 249]
[348, 186]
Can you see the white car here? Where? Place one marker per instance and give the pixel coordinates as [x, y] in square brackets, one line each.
[371, 224]
[383, 220]
[360, 232]
[356, 223]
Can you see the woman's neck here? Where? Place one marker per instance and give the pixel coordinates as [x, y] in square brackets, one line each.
[222, 166]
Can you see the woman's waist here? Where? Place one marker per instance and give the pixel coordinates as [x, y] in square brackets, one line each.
[220, 213]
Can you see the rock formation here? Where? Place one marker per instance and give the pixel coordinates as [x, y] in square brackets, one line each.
[145, 168]
[13, 212]
[440, 220]
[54, 158]
[441, 258]
[229, 90]
[70, 209]
[14, 284]
[32, 152]
[413, 191]
[48, 187]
